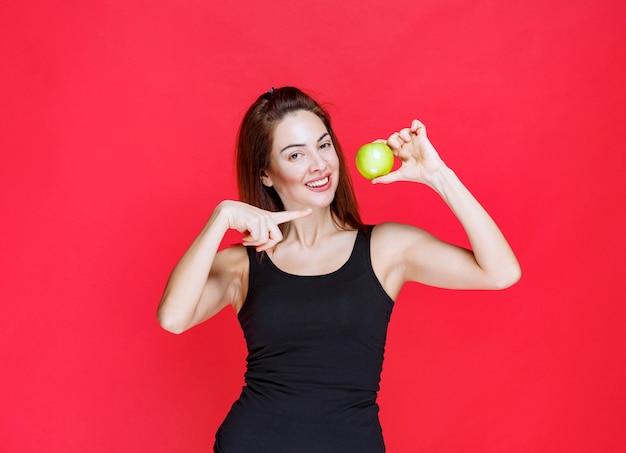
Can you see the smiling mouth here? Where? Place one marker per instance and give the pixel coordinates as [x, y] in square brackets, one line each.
[318, 183]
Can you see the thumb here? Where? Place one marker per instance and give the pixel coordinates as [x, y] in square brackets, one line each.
[288, 216]
[388, 178]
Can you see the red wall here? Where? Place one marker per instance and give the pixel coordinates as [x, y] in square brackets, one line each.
[116, 131]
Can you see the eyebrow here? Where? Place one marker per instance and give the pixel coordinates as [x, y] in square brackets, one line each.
[298, 144]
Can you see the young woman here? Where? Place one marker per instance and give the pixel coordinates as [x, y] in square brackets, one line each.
[313, 287]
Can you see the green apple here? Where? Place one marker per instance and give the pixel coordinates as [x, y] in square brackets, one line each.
[374, 159]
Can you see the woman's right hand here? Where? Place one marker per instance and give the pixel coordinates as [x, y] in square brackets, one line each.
[258, 226]
[204, 281]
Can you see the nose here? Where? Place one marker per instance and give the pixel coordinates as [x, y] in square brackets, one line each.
[318, 163]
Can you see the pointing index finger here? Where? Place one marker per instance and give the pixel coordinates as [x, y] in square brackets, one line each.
[288, 216]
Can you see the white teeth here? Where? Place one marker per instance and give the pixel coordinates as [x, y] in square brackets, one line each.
[319, 183]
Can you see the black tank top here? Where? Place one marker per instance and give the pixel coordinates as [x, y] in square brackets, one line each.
[315, 353]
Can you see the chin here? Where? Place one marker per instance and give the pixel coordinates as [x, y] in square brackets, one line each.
[319, 203]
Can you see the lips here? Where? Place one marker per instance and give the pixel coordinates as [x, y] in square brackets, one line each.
[319, 184]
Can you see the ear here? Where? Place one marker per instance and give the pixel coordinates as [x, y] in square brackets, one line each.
[265, 179]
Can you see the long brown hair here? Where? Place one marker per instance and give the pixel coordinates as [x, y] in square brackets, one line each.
[254, 143]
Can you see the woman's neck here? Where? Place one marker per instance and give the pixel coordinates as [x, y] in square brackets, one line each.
[309, 230]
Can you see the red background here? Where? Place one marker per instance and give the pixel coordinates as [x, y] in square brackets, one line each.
[117, 128]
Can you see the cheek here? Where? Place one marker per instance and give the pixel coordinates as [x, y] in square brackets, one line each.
[283, 178]
[286, 182]
[334, 163]
[334, 159]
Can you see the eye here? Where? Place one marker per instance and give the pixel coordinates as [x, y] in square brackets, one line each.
[295, 156]
[326, 145]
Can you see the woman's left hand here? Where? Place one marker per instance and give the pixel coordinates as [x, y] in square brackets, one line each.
[420, 160]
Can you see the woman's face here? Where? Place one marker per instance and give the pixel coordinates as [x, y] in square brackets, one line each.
[304, 168]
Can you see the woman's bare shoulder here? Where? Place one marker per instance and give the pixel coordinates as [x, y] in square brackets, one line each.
[229, 274]
[231, 263]
[386, 245]
[231, 260]
[396, 235]
[390, 246]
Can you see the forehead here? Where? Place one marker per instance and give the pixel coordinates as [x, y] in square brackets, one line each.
[299, 127]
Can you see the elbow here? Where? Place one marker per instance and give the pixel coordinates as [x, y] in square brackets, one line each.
[509, 278]
[169, 322]
[172, 328]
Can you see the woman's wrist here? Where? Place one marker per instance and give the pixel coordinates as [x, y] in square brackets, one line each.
[441, 180]
[219, 218]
